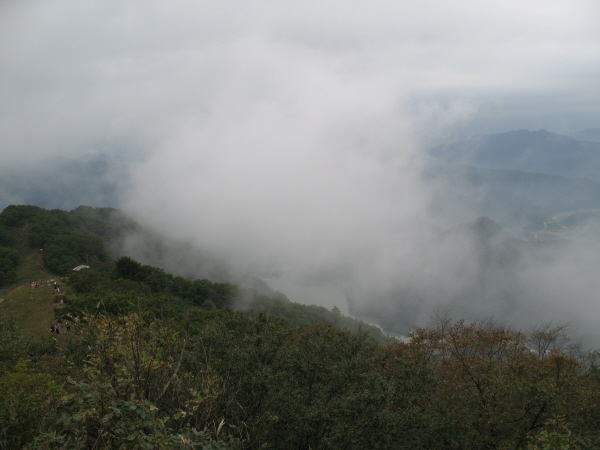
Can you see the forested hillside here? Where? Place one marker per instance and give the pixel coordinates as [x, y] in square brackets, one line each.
[42, 244]
[145, 359]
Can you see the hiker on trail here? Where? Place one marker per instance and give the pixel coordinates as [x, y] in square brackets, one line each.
[68, 327]
[52, 328]
[57, 328]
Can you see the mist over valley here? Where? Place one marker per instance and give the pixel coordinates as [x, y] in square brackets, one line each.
[390, 162]
[482, 241]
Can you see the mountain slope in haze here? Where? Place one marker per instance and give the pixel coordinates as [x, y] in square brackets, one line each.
[64, 183]
[589, 134]
[48, 244]
[469, 268]
[519, 201]
[528, 151]
[478, 270]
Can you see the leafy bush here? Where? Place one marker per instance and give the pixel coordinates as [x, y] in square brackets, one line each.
[28, 405]
[132, 393]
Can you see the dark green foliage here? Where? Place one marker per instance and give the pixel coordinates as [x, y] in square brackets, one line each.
[16, 215]
[12, 345]
[157, 280]
[28, 405]
[208, 305]
[335, 389]
[86, 281]
[127, 268]
[64, 248]
[311, 387]
[6, 236]
[129, 391]
[108, 223]
[65, 239]
[59, 259]
[297, 315]
[9, 259]
[223, 294]
[242, 352]
[180, 286]
[220, 379]
[200, 290]
[208, 294]
[220, 294]
[116, 304]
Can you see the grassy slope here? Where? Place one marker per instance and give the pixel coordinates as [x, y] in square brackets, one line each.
[32, 307]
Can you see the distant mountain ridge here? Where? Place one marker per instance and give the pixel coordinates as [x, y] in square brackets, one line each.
[589, 134]
[528, 151]
[65, 183]
[520, 201]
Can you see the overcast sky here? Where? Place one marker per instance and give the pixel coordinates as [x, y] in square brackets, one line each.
[77, 74]
[287, 133]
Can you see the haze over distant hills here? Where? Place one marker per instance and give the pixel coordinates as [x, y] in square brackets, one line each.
[528, 151]
[65, 183]
[531, 187]
[520, 201]
[589, 134]
[540, 187]
[519, 178]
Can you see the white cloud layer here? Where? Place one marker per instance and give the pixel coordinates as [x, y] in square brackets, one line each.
[75, 73]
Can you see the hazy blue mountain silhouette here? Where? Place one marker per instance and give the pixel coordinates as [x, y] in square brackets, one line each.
[64, 183]
[519, 201]
[529, 151]
[589, 134]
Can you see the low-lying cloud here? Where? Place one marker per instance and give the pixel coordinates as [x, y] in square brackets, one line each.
[289, 139]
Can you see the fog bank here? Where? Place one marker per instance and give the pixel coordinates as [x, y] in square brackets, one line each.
[288, 140]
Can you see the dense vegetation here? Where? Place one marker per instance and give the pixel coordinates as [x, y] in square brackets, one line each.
[152, 360]
[139, 375]
[64, 239]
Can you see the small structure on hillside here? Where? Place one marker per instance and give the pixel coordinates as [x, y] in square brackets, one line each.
[82, 266]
